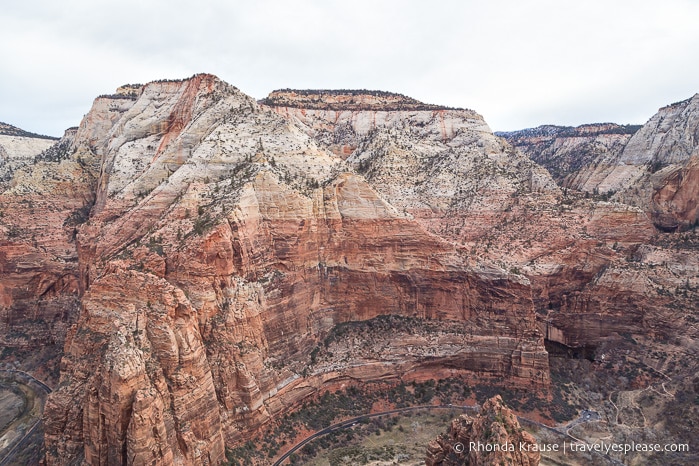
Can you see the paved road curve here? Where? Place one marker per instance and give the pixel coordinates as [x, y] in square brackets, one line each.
[41, 384]
[355, 420]
[21, 443]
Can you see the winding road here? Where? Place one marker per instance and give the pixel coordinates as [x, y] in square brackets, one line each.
[21, 443]
[351, 422]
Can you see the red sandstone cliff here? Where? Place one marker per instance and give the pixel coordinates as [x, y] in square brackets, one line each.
[194, 247]
[459, 181]
[223, 246]
[41, 205]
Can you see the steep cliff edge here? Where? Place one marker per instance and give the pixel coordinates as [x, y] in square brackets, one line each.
[449, 172]
[655, 171]
[601, 274]
[40, 207]
[223, 246]
[646, 290]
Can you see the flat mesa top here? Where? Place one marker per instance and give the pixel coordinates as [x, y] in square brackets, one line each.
[9, 130]
[346, 99]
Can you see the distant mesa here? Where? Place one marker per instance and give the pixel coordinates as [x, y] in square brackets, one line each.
[10, 130]
[555, 131]
[346, 99]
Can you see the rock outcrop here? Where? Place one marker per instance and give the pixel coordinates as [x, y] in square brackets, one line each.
[345, 100]
[675, 196]
[494, 436]
[670, 137]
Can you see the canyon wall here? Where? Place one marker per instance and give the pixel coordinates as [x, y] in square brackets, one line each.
[195, 255]
[444, 168]
[47, 195]
[650, 167]
[224, 245]
[577, 158]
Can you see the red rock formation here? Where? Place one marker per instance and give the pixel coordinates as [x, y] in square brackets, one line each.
[39, 276]
[675, 198]
[474, 190]
[225, 243]
[215, 264]
[141, 343]
[494, 436]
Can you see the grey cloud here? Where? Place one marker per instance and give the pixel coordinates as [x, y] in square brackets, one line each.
[518, 63]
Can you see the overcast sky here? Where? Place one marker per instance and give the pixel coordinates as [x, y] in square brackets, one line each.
[518, 63]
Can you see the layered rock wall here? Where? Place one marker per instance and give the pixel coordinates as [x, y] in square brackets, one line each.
[40, 210]
[577, 158]
[197, 255]
[224, 245]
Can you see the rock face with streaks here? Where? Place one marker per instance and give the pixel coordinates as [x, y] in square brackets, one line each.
[341, 119]
[446, 169]
[577, 158]
[191, 249]
[591, 260]
[47, 196]
[675, 196]
[495, 426]
[224, 244]
[430, 162]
